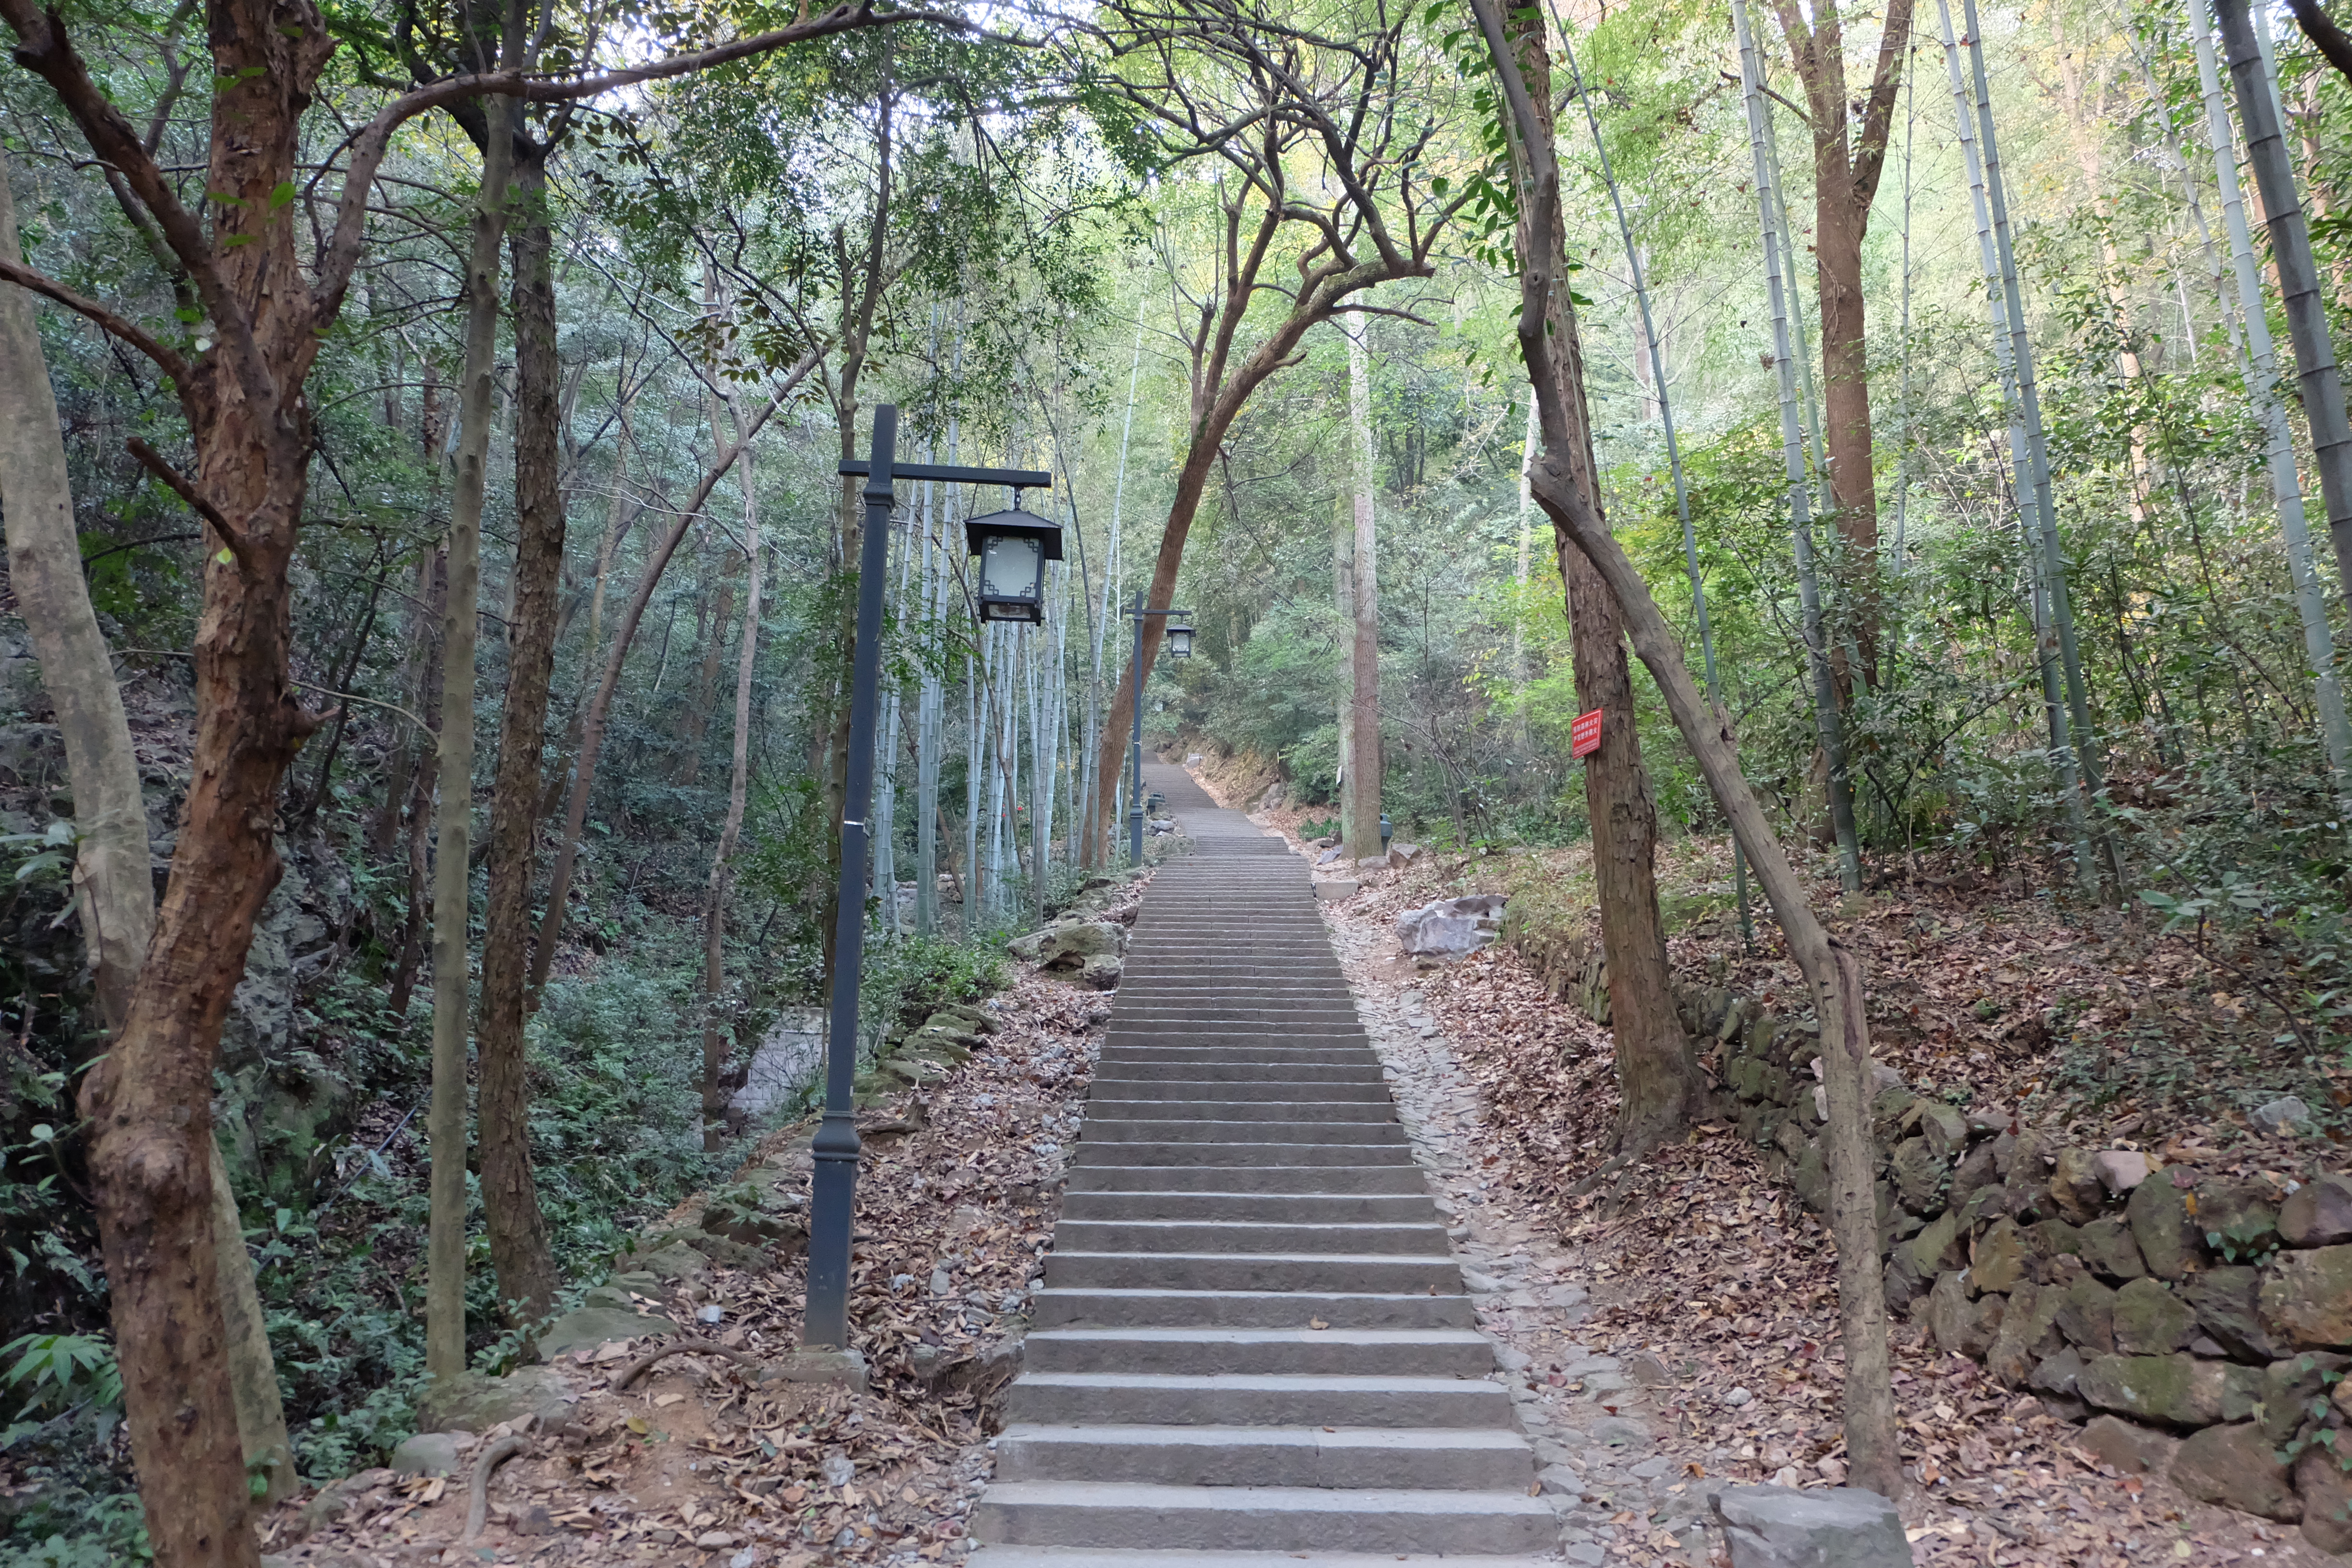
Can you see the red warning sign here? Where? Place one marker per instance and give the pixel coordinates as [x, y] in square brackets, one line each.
[1584, 735]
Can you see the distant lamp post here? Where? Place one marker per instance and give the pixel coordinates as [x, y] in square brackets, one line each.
[1012, 547]
[833, 1184]
[1180, 645]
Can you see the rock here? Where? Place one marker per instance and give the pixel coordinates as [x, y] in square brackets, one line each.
[2178, 1390]
[2160, 1223]
[1330, 891]
[2121, 1170]
[2001, 1258]
[1905, 1283]
[2326, 1489]
[1329, 856]
[591, 1326]
[2087, 1317]
[2132, 1449]
[1830, 1527]
[2054, 1238]
[2151, 1321]
[2233, 1466]
[1451, 928]
[1941, 1245]
[1974, 1172]
[2075, 1187]
[1371, 863]
[533, 1521]
[2290, 1388]
[1945, 1128]
[1403, 854]
[2318, 1213]
[2226, 1302]
[2058, 1374]
[2284, 1112]
[2108, 1248]
[2306, 1297]
[1101, 972]
[1649, 1370]
[1963, 1327]
[1067, 946]
[476, 1402]
[1027, 949]
[673, 1261]
[1919, 1172]
[2027, 1334]
[2239, 1219]
[427, 1454]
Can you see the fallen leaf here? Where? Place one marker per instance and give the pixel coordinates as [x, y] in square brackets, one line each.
[1316, 1324]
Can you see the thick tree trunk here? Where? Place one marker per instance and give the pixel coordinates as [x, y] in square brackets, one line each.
[445, 1298]
[1831, 971]
[528, 1278]
[1362, 815]
[1657, 1081]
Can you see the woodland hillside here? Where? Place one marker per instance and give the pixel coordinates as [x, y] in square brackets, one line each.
[428, 696]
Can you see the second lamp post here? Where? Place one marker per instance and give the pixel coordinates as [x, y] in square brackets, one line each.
[1180, 645]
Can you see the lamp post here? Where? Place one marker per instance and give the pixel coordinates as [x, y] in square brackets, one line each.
[833, 1184]
[1180, 645]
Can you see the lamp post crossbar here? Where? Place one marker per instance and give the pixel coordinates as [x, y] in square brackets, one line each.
[1139, 615]
[833, 1186]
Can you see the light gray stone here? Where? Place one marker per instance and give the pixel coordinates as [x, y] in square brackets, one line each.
[2282, 1113]
[1836, 1527]
[427, 1454]
[476, 1402]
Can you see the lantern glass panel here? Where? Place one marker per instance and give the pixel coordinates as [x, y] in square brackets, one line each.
[1011, 567]
[1180, 642]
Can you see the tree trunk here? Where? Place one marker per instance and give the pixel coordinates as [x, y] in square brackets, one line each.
[1831, 971]
[1657, 1081]
[114, 892]
[519, 1251]
[714, 907]
[1362, 815]
[433, 590]
[445, 1298]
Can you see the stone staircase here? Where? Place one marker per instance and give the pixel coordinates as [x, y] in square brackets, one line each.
[1253, 1344]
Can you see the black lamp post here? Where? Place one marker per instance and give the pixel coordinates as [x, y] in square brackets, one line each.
[833, 1186]
[1180, 645]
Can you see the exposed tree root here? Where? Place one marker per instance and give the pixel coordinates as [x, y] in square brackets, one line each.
[638, 1368]
[477, 1507]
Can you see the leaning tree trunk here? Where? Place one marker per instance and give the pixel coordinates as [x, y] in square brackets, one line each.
[444, 1290]
[519, 1248]
[1831, 971]
[1657, 1081]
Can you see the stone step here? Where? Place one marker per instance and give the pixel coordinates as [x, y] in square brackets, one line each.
[1423, 1458]
[1224, 1353]
[1384, 1176]
[1165, 1399]
[1144, 1068]
[1113, 1309]
[1198, 1129]
[1280, 1519]
[1144, 1151]
[1271, 1208]
[1382, 1273]
[1274, 1106]
[1425, 1238]
[1116, 1087]
[1114, 1557]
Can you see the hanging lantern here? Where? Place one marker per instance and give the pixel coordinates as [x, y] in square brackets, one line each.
[1012, 547]
[1180, 642]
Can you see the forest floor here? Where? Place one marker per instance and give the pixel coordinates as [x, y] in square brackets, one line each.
[700, 1461]
[1706, 1291]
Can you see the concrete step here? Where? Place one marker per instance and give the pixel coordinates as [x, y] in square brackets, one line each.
[1114, 1557]
[1207, 1352]
[1382, 1273]
[1260, 1208]
[1116, 1088]
[1271, 1107]
[1386, 1176]
[1162, 1399]
[1424, 1458]
[1143, 1068]
[1424, 1238]
[1114, 1309]
[1140, 1151]
[1143, 1050]
[1176, 1130]
[1278, 1519]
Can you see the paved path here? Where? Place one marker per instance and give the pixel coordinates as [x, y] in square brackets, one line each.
[1253, 1344]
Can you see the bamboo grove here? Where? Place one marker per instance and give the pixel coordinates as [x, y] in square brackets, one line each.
[429, 555]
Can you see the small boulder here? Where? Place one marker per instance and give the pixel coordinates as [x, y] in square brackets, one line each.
[2178, 1390]
[2160, 1223]
[1101, 972]
[1944, 1127]
[1963, 1327]
[2129, 1448]
[2151, 1321]
[2226, 1301]
[1941, 1245]
[476, 1402]
[2121, 1170]
[1919, 1172]
[1451, 928]
[1403, 854]
[2326, 1489]
[1332, 891]
[2306, 1297]
[2234, 1466]
[2286, 1113]
[1973, 1173]
[427, 1454]
[2240, 1219]
[592, 1326]
[1829, 1527]
[2292, 1386]
[2027, 1334]
[2319, 1213]
[2058, 1374]
[1069, 945]
[2075, 1187]
[2108, 1250]
[2087, 1317]
[2001, 1258]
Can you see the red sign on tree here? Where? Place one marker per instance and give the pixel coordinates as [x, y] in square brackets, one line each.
[1584, 735]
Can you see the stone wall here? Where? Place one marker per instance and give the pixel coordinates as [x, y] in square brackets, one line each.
[2199, 1323]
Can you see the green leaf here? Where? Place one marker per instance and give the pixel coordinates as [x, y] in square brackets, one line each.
[224, 556]
[283, 195]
